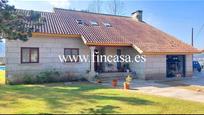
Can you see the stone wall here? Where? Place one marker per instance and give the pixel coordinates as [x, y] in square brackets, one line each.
[155, 67]
[189, 65]
[137, 68]
[111, 51]
[49, 49]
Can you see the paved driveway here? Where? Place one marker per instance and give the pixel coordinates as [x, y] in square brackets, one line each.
[198, 79]
[188, 89]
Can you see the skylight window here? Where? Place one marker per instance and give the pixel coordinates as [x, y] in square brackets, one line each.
[81, 22]
[94, 23]
[107, 24]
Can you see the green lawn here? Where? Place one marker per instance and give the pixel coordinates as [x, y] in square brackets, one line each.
[87, 98]
[2, 77]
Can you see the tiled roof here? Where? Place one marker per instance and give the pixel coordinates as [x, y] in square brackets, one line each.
[124, 30]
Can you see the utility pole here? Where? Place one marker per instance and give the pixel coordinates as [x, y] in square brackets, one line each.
[192, 43]
[192, 39]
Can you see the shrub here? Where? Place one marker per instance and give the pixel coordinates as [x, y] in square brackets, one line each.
[15, 79]
[29, 79]
[71, 76]
[47, 76]
[68, 76]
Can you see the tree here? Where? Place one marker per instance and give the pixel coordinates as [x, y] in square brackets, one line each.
[95, 6]
[116, 7]
[17, 25]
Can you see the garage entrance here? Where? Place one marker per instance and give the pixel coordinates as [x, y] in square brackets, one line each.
[175, 66]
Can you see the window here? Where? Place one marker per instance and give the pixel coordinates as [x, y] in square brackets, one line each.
[29, 55]
[94, 23]
[107, 24]
[73, 53]
[81, 22]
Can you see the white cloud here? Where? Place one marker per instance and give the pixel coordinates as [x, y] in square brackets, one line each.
[53, 3]
[59, 3]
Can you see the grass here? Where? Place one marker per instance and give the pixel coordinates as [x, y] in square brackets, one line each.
[2, 77]
[87, 98]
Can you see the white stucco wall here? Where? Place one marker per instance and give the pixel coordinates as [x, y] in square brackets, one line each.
[49, 49]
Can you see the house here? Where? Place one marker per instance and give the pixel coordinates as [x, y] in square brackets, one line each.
[84, 33]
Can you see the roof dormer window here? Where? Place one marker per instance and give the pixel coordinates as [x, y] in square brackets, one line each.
[94, 23]
[81, 22]
[107, 24]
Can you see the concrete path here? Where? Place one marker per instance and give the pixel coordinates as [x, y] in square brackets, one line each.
[169, 91]
[162, 89]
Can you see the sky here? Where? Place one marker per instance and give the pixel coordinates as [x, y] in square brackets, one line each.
[175, 17]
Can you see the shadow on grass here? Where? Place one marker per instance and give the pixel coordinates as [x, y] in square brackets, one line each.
[59, 97]
[101, 109]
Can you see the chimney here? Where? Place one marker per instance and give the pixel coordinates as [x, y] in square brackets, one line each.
[137, 16]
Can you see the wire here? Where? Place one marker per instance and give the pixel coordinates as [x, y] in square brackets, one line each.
[200, 31]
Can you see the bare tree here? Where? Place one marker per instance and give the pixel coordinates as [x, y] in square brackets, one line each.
[115, 7]
[95, 6]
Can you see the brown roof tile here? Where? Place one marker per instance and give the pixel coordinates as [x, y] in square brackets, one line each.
[124, 30]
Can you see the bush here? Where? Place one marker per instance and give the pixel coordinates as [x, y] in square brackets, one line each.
[47, 76]
[29, 79]
[15, 79]
[68, 76]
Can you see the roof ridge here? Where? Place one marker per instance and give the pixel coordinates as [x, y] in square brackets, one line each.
[35, 10]
[84, 11]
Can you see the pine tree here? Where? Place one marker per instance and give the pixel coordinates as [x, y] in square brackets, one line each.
[17, 25]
